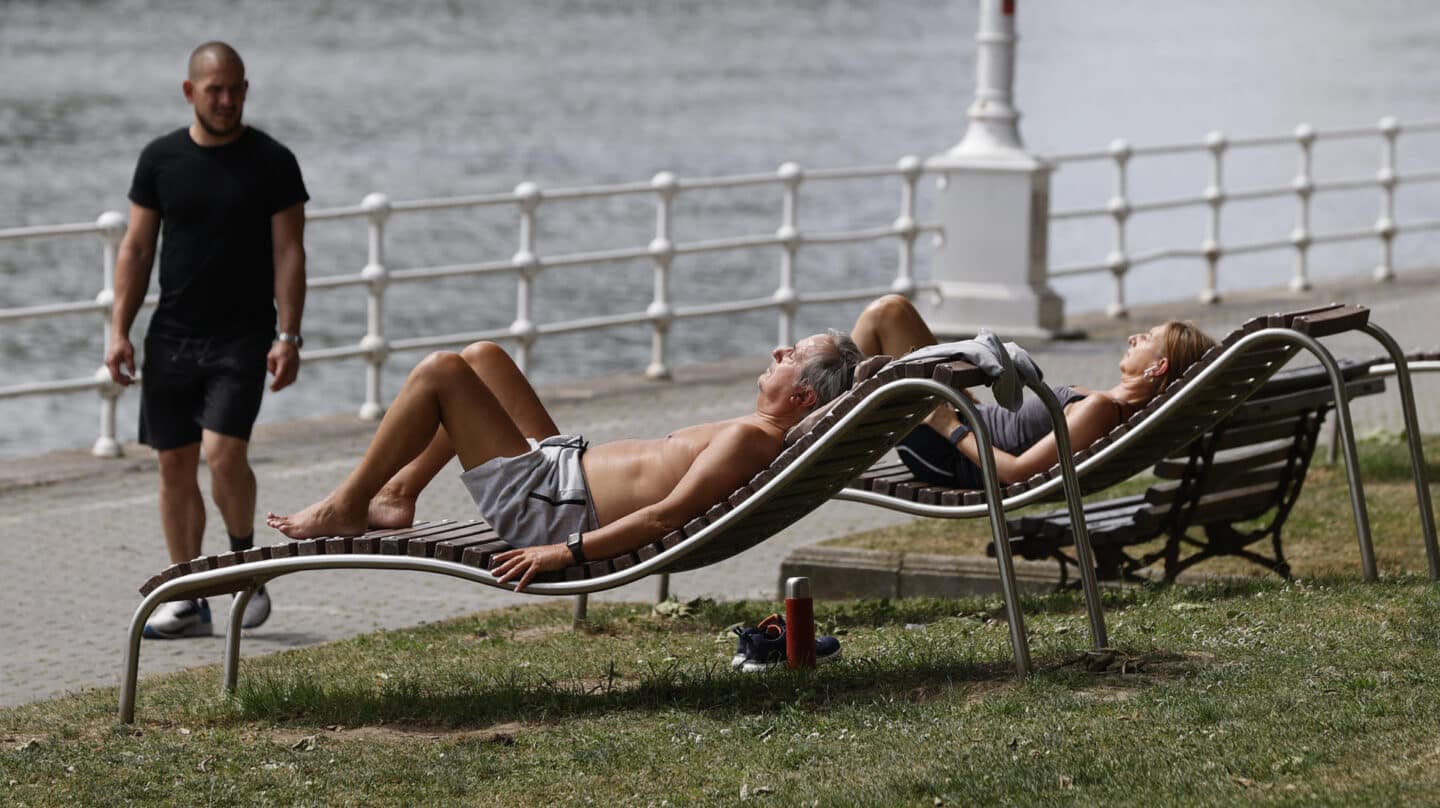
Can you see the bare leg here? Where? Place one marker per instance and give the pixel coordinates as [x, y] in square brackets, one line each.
[891, 326]
[232, 482]
[182, 510]
[441, 391]
[394, 505]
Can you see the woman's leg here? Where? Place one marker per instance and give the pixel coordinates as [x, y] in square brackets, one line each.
[443, 390]
[891, 326]
[394, 504]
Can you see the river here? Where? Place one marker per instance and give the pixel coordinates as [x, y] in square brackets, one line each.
[426, 98]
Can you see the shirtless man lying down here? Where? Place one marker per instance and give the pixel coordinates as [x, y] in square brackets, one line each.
[556, 500]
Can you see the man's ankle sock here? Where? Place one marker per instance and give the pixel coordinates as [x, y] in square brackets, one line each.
[239, 544]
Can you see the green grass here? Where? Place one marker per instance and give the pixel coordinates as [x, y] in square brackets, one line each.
[1321, 691]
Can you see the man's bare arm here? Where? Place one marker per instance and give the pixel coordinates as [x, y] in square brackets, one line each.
[133, 263]
[733, 456]
[287, 232]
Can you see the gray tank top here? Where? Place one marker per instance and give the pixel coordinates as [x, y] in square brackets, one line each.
[1017, 431]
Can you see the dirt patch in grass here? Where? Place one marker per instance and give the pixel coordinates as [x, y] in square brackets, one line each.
[503, 734]
[1119, 676]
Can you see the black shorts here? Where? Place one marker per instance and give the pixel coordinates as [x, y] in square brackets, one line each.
[933, 459]
[194, 383]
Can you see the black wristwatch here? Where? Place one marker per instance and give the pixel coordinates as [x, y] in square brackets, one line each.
[576, 551]
[294, 339]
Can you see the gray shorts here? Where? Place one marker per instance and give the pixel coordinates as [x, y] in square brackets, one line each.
[539, 497]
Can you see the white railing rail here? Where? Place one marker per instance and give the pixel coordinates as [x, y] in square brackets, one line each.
[1214, 196]
[526, 265]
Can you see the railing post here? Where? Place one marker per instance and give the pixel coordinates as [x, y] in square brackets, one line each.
[112, 231]
[993, 204]
[1304, 185]
[1215, 198]
[527, 264]
[789, 235]
[1385, 225]
[906, 227]
[662, 252]
[1119, 259]
[377, 209]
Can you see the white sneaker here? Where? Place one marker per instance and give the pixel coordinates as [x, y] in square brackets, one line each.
[257, 611]
[180, 618]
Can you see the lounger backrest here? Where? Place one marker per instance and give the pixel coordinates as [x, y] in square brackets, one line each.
[1208, 403]
[886, 419]
[1223, 379]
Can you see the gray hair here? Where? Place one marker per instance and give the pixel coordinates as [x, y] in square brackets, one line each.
[831, 372]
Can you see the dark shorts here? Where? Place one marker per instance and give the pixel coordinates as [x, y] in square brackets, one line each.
[194, 383]
[933, 459]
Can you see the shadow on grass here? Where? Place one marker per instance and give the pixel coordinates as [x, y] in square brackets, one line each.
[487, 700]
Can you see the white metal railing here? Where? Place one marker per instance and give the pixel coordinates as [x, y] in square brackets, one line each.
[1120, 207]
[525, 266]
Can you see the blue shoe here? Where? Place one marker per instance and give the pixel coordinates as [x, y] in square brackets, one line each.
[759, 642]
[766, 650]
[180, 618]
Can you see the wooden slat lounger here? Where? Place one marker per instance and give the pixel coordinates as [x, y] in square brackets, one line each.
[1226, 378]
[863, 424]
[866, 423]
[1251, 466]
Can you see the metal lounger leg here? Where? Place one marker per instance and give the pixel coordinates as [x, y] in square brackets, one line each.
[130, 672]
[1084, 556]
[1009, 591]
[231, 664]
[1352, 458]
[582, 606]
[1417, 455]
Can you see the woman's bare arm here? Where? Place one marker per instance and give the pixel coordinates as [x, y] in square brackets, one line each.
[1088, 420]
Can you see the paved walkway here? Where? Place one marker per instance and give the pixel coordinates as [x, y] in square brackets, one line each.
[78, 534]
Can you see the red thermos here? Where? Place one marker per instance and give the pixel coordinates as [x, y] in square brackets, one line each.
[799, 624]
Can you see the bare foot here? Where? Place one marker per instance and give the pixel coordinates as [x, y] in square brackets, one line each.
[325, 518]
[391, 509]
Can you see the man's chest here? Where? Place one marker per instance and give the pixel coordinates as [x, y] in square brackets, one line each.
[202, 188]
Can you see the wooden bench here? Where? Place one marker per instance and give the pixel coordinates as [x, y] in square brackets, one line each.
[1250, 467]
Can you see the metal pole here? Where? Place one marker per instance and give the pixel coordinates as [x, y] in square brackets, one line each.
[112, 226]
[1119, 260]
[377, 208]
[1304, 186]
[527, 264]
[789, 236]
[1385, 225]
[994, 122]
[906, 226]
[1215, 198]
[662, 251]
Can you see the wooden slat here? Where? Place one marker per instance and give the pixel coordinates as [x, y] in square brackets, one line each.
[398, 542]
[424, 546]
[1334, 321]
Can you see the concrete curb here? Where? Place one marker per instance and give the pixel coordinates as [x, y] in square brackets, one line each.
[837, 573]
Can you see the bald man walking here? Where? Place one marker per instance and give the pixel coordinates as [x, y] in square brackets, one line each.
[230, 202]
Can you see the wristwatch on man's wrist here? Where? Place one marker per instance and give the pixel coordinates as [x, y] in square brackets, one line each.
[294, 339]
[576, 551]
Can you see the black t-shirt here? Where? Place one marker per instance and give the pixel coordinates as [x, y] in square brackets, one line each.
[217, 267]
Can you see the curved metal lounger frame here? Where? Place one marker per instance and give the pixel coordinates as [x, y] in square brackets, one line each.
[245, 579]
[1156, 420]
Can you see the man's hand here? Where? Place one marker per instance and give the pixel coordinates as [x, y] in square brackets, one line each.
[120, 359]
[527, 561]
[283, 362]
